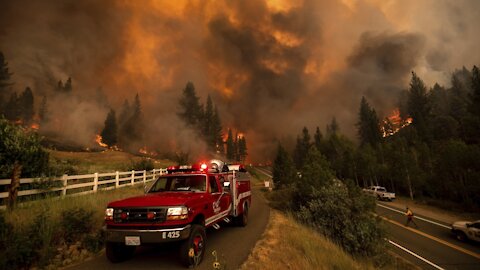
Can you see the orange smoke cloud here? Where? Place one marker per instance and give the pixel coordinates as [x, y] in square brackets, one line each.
[264, 63]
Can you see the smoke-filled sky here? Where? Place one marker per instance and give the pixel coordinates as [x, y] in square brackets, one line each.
[271, 67]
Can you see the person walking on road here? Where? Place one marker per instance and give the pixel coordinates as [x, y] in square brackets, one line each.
[409, 215]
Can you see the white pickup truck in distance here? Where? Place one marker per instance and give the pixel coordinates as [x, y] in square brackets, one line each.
[380, 193]
[464, 230]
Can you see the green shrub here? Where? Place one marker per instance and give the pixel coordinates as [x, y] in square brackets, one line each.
[94, 242]
[42, 238]
[143, 164]
[281, 199]
[23, 246]
[344, 215]
[76, 222]
[58, 167]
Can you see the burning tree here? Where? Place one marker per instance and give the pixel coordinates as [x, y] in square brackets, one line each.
[109, 132]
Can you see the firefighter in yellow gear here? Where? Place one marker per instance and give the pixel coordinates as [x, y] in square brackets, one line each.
[409, 215]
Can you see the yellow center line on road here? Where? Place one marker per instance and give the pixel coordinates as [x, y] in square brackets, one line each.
[471, 253]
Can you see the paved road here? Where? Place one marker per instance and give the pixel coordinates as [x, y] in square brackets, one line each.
[233, 245]
[431, 246]
[432, 241]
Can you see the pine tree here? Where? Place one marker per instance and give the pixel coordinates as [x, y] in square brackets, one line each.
[5, 83]
[216, 134]
[26, 102]
[12, 109]
[368, 125]
[475, 104]
[131, 124]
[318, 139]
[316, 171]
[301, 148]
[123, 118]
[417, 106]
[284, 172]
[333, 128]
[458, 99]
[230, 146]
[190, 109]
[242, 149]
[135, 123]
[208, 123]
[5, 74]
[235, 148]
[125, 113]
[109, 132]
[43, 110]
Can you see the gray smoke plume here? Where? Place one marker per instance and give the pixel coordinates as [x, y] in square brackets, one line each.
[271, 67]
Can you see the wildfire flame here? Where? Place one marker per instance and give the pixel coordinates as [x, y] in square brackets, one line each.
[98, 140]
[394, 123]
[144, 150]
[35, 126]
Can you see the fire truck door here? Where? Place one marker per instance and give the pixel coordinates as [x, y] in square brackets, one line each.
[220, 200]
[226, 199]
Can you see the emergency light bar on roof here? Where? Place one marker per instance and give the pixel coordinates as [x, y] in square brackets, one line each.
[188, 168]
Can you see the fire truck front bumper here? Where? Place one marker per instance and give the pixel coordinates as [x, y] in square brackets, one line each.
[138, 237]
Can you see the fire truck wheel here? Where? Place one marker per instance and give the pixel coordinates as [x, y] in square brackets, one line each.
[242, 220]
[118, 252]
[193, 249]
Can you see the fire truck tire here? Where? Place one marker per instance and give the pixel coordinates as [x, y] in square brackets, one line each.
[242, 219]
[193, 249]
[118, 252]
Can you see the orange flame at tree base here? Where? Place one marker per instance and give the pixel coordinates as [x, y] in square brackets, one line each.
[394, 123]
[98, 140]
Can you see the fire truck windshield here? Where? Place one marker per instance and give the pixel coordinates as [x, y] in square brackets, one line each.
[180, 183]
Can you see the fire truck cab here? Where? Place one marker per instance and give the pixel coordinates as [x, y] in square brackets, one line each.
[178, 207]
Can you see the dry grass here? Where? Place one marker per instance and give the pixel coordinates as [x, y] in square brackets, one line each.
[25, 213]
[105, 161]
[289, 245]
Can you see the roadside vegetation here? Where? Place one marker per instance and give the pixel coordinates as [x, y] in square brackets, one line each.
[287, 244]
[106, 161]
[54, 232]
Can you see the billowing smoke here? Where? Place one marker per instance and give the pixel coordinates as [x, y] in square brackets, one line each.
[271, 67]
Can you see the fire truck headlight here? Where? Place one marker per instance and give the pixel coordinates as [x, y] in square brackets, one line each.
[109, 214]
[177, 213]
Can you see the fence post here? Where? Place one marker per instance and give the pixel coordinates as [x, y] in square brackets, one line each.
[65, 181]
[153, 177]
[95, 182]
[133, 176]
[117, 177]
[144, 176]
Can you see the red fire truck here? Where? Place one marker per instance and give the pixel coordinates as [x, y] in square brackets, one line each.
[179, 206]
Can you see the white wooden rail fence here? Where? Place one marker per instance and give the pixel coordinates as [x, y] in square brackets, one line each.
[78, 184]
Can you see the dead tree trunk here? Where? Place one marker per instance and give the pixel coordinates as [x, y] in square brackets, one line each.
[14, 185]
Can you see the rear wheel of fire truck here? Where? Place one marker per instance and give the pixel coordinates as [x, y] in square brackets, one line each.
[193, 249]
[242, 220]
[118, 252]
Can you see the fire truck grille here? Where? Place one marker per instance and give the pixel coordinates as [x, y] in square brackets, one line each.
[139, 215]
